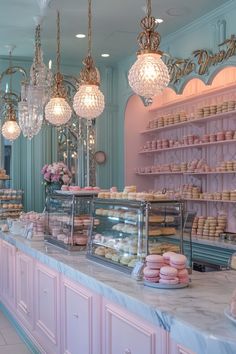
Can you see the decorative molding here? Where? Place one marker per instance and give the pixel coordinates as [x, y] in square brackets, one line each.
[204, 20]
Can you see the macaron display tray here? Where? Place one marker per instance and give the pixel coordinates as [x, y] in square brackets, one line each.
[228, 315]
[165, 286]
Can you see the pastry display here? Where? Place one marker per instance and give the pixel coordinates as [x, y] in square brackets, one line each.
[194, 166]
[160, 248]
[11, 203]
[187, 140]
[121, 238]
[35, 224]
[181, 117]
[209, 227]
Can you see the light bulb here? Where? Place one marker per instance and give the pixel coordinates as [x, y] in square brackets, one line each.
[149, 75]
[89, 101]
[11, 130]
[58, 111]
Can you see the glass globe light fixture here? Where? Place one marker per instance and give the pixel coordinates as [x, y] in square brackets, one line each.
[10, 129]
[57, 110]
[149, 74]
[89, 101]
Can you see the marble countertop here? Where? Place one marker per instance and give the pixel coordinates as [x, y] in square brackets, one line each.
[194, 316]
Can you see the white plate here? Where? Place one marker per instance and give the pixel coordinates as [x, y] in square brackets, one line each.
[165, 286]
[228, 314]
[83, 192]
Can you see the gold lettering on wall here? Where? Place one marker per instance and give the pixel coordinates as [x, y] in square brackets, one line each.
[200, 61]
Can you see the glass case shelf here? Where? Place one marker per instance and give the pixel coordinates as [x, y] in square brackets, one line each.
[126, 231]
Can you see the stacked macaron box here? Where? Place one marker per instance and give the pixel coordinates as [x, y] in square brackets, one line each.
[166, 271]
[69, 221]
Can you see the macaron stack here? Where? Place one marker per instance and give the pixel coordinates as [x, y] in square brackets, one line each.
[168, 269]
[152, 270]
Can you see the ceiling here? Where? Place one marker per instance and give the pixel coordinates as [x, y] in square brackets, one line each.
[115, 25]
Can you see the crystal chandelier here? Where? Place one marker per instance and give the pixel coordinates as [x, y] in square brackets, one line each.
[89, 100]
[57, 110]
[34, 95]
[10, 129]
[149, 75]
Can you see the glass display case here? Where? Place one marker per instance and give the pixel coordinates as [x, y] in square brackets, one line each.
[68, 219]
[11, 203]
[125, 231]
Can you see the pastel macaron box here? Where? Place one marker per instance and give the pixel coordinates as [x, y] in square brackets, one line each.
[169, 269]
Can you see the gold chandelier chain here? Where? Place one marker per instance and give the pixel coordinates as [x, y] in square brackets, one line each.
[149, 8]
[10, 67]
[89, 27]
[58, 43]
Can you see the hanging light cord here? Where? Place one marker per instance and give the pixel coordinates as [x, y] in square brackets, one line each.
[89, 27]
[58, 43]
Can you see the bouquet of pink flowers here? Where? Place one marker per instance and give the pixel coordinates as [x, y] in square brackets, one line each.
[57, 172]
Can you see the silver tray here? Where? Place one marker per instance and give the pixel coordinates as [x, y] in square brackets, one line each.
[165, 286]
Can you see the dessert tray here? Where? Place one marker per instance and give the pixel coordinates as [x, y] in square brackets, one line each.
[228, 315]
[165, 286]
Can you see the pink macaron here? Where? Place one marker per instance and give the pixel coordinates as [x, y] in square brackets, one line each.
[168, 273]
[151, 275]
[169, 281]
[166, 257]
[178, 261]
[182, 273]
[154, 261]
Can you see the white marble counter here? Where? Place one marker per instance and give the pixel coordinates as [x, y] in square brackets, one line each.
[194, 316]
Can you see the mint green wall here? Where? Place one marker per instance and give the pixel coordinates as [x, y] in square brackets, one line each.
[28, 157]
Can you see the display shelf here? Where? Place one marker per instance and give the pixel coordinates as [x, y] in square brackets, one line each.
[2, 210]
[184, 173]
[158, 173]
[210, 173]
[200, 145]
[210, 200]
[190, 121]
[196, 97]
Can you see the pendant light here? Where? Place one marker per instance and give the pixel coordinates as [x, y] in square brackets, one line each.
[89, 100]
[149, 75]
[10, 129]
[35, 93]
[57, 110]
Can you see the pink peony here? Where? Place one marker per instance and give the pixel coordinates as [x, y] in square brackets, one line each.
[55, 178]
[44, 169]
[47, 176]
[56, 172]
